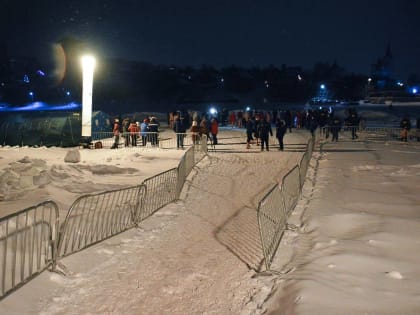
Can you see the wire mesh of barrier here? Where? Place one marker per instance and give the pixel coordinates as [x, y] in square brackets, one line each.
[161, 189]
[27, 244]
[108, 140]
[373, 133]
[95, 217]
[277, 205]
[31, 240]
[303, 168]
[291, 189]
[272, 222]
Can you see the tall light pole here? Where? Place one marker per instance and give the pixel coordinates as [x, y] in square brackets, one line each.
[88, 66]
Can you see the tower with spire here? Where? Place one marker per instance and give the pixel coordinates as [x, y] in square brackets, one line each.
[382, 71]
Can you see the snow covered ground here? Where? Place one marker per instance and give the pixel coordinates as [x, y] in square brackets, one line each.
[353, 249]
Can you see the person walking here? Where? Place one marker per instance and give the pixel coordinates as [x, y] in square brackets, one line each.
[249, 125]
[335, 127]
[264, 131]
[179, 128]
[353, 121]
[281, 129]
[195, 130]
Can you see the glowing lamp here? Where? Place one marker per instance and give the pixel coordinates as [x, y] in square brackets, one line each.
[213, 111]
[88, 66]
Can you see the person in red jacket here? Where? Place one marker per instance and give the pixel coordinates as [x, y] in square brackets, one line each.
[214, 130]
[133, 128]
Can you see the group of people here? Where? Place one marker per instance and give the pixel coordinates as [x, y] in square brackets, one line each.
[199, 127]
[259, 127]
[132, 130]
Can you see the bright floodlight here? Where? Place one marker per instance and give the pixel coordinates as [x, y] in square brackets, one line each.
[213, 111]
[322, 86]
[248, 109]
[88, 66]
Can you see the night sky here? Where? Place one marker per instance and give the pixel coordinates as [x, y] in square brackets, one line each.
[222, 33]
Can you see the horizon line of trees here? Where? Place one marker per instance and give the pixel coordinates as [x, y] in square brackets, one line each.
[128, 83]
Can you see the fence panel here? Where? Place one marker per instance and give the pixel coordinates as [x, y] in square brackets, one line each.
[291, 189]
[161, 189]
[303, 168]
[272, 222]
[95, 217]
[188, 140]
[125, 140]
[182, 175]
[27, 244]
[374, 133]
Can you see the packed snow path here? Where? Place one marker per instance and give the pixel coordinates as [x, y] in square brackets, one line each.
[196, 256]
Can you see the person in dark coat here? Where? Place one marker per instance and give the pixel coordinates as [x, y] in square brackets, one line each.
[153, 131]
[288, 118]
[180, 129]
[281, 130]
[335, 127]
[405, 125]
[353, 121]
[264, 131]
[126, 135]
[249, 125]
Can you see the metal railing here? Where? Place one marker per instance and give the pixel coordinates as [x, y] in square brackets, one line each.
[161, 190]
[372, 133]
[272, 221]
[27, 244]
[95, 217]
[126, 140]
[32, 239]
[145, 140]
[276, 206]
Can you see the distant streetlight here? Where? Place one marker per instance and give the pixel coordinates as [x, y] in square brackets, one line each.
[88, 66]
[322, 86]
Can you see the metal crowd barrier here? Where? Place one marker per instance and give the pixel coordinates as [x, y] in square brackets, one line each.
[277, 205]
[107, 140]
[373, 133]
[290, 188]
[272, 222]
[31, 240]
[161, 189]
[95, 217]
[27, 244]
